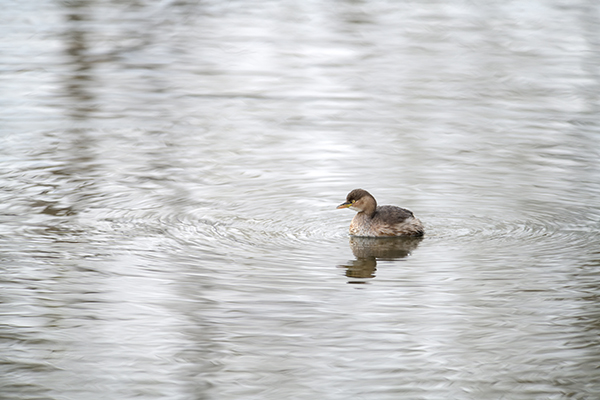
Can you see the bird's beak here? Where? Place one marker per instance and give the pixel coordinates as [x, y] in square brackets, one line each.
[344, 205]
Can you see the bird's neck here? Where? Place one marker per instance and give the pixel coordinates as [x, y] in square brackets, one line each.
[370, 207]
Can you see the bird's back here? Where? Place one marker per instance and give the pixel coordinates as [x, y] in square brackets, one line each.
[391, 215]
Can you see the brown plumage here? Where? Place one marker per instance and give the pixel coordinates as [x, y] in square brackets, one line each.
[372, 220]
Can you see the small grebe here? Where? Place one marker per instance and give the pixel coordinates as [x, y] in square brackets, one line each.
[373, 221]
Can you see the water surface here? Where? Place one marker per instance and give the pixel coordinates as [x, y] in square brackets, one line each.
[170, 172]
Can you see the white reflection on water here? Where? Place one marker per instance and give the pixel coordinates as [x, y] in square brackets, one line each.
[170, 173]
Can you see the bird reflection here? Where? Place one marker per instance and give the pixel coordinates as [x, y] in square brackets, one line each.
[368, 250]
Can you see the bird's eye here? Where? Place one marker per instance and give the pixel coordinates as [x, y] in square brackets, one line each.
[353, 201]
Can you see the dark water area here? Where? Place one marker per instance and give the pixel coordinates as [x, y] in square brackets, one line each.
[169, 173]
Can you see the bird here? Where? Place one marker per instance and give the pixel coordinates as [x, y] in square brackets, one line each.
[372, 220]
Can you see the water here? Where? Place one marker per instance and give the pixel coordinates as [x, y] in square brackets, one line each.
[170, 172]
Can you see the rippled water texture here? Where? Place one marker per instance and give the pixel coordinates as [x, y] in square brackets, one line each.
[169, 173]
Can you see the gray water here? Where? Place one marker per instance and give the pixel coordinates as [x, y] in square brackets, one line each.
[169, 173]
